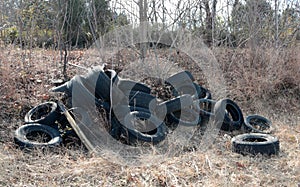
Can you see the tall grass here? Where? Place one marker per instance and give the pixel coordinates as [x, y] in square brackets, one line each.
[264, 81]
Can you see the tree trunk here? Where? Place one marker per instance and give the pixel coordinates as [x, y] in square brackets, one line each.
[208, 23]
[213, 16]
[143, 26]
[276, 24]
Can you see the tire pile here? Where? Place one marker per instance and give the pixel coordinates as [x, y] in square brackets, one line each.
[137, 117]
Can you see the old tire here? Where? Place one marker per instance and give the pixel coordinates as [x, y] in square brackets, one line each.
[183, 77]
[204, 106]
[175, 104]
[194, 89]
[205, 109]
[128, 86]
[255, 143]
[203, 93]
[25, 135]
[257, 123]
[228, 115]
[45, 113]
[142, 99]
[154, 133]
[185, 117]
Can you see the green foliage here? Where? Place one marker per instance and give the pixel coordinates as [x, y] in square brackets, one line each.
[255, 21]
[74, 23]
[11, 34]
[77, 23]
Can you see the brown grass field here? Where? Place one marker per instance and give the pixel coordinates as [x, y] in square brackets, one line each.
[265, 81]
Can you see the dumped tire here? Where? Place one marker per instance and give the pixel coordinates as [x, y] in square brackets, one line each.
[128, 86]
[142, 99]
[183, 77]
[99, 82]
[64, 88]
[203, 93]
[96, 81]
[45, 113]
[259, 124]
[204, 106]
[141, 127]
[197, 91]
[184, 117]
[37, 135]
[187, 88]
[228, 115]
[255, 143]
[175, 104]
[205, 109]
[112, 75]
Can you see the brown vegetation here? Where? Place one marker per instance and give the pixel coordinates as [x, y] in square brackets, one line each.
[263, 81]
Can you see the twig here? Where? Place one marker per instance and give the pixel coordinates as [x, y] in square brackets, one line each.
[78, 66]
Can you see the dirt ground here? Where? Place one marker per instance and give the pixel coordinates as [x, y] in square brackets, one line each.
[261, 81]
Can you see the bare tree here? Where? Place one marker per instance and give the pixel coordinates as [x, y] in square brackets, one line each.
[210, 9]
[143, 8]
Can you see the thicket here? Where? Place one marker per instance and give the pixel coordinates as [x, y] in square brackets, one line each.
[79, 23]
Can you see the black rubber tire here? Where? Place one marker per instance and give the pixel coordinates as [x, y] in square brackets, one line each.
[142, 99]
[194, 89]
[135, 108]
[255, 143]
[258, 124]
[22, 133]
[183, 77]
[64, 88]
[135, 136]
[46, 113]
[175, 104]
[112, 74]
[203, 93]
[225, 108]
[186, 88]
[178, 118]
[128, 86]
[98, 83]
[205, 106]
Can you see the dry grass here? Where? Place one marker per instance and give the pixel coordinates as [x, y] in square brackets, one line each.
[263, 81]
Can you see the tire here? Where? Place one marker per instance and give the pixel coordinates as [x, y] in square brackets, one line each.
[116, 126]
[142, 99]
[112, 74]
[135, 108]
[205, 109]
[255, 143]
[204, 106]
[194, 89]
[203, 93]
[186, 88]
[83, 97]
[258, 124]
[128, 86]
[98, 83]
[154, 135]
[64, 88]
[180, 78]
[180, 118]
[175, 104]
[228, 115]
[45, 113]
[23, 136]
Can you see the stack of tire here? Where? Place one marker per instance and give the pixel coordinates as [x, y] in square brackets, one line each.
[147, 119]
[40, 128]
[257, 139]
